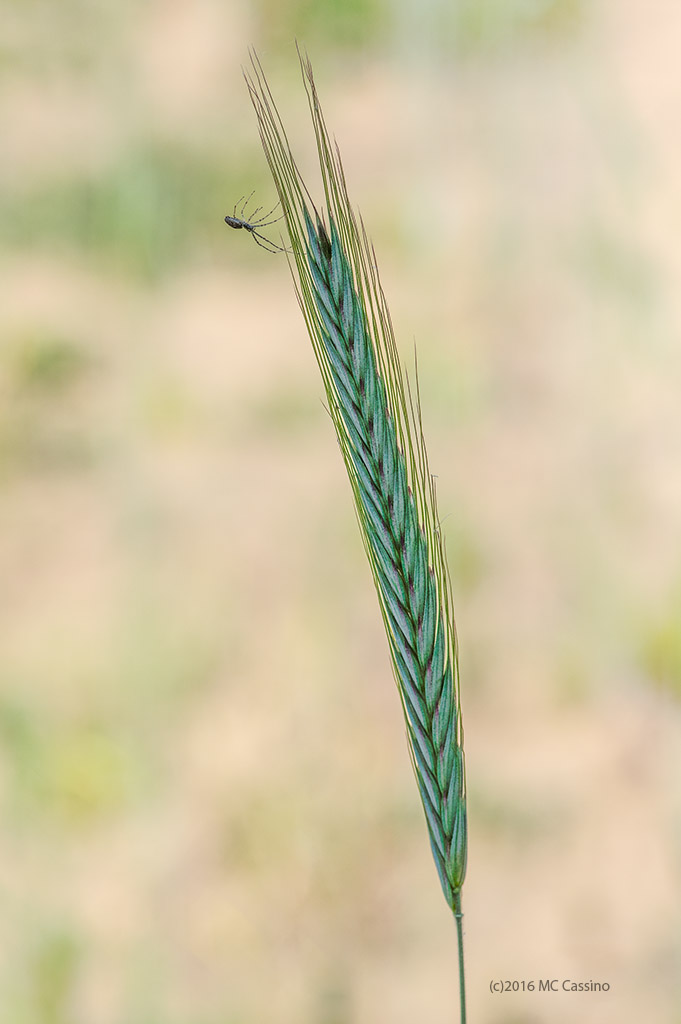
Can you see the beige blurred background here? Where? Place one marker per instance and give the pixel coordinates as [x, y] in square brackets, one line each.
[208, 814]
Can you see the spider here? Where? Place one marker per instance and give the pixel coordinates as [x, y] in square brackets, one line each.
[252, 225]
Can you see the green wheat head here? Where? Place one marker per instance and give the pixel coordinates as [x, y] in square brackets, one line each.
[378, 424]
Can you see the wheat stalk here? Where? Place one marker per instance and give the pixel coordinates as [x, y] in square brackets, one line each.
[378, 425]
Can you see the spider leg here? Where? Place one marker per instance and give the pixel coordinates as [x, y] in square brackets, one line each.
[246, 200]
[251, 219]
[260, 240]
[266, 215]
[265, 244]
[264, 224]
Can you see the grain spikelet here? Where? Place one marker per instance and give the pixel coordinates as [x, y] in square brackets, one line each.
[378, 424]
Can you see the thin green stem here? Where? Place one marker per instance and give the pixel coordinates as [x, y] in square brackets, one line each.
[458, 917]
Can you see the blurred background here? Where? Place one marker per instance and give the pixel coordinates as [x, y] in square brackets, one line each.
[208, 814]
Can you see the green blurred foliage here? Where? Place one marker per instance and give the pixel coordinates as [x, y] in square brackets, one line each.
[73, 774]
[466, 26]
[477, 25]
[40, 429]
[53, 971]
[40, 362]
[349, 24]
[89, 774]
[660, 655]
[153, 210]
